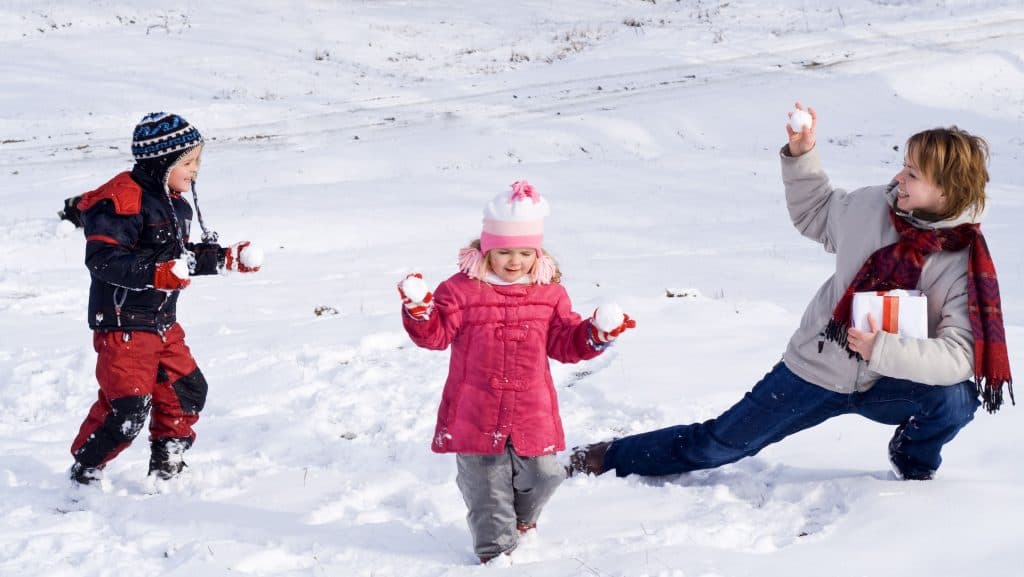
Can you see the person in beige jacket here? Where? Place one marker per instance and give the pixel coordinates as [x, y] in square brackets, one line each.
[921, 232]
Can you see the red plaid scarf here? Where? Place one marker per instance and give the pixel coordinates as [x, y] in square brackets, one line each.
[899, 266]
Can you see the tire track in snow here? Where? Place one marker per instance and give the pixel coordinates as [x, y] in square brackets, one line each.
[581, 94]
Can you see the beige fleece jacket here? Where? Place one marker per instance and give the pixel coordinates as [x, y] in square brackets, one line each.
[852, 226]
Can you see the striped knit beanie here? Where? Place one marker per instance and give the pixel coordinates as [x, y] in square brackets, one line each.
[515, 219]
[161, 133]
[160, 139]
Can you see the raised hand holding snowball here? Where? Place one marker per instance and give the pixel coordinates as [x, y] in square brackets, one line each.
[802, 130]
[910, 233]
[608, 322]
[243, 257]
[799, 119]
[416, 297]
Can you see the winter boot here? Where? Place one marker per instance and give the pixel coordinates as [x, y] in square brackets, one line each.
[484, 560]
[902, 467]
[524, 527]
[588, 460]
[166, 457]
[83, 475]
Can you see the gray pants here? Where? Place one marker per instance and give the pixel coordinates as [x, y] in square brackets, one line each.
[502, 491]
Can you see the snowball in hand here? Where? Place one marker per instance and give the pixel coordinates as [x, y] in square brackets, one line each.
[799, 119]
[415, 289]
[64, 229]
[251, 257]
[180, 268]
[608, 317]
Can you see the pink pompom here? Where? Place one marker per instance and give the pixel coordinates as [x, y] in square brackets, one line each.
[523, 190]
[469, 261]
[544, 270]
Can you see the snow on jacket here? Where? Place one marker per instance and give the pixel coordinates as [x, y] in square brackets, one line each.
[499, 385]
[129, 228]
[853, 225]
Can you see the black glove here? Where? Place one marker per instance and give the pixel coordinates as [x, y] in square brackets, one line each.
[70, 212]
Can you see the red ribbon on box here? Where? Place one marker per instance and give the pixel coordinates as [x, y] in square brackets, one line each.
[890, 313]
[887, 309]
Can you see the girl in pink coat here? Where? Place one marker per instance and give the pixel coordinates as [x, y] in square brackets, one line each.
[504, 314]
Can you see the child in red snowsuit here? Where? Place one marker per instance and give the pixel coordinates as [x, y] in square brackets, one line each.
[140, 258]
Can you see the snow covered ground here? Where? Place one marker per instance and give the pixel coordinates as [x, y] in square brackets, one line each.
[357, 141]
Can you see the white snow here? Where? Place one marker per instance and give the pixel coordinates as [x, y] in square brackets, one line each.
[251, 256]
[358, 141]
[180, 268]
[798, 119]
[608, 316]
[415, 288]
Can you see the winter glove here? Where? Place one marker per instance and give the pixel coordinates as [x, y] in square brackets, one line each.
[243, 257]
[171, 275]
[416, 297]
[607, 323]
[70, 212]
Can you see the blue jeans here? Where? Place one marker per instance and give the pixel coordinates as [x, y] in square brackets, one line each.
[926, 418]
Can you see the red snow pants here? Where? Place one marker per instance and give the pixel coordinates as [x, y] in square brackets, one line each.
[140, 374]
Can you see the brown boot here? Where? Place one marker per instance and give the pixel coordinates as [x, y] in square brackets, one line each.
[525, 528]
[489, 558]
[589, 459]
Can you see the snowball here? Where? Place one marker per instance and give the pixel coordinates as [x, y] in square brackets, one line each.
[799, 120]
[64, 229]
[180, 268]
[415, 289]
[609, 316]
[251, 257]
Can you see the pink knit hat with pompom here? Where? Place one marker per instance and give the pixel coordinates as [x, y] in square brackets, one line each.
[515, 219]
[512, 219]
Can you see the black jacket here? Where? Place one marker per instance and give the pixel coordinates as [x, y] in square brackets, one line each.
[129, 228]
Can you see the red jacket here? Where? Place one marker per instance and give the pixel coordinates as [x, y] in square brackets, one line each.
[499, 384]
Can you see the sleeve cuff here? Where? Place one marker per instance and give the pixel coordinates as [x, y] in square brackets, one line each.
[878, 351]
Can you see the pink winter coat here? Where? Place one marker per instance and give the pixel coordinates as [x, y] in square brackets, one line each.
[499, 384]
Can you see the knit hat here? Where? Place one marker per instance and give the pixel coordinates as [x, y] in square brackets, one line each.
[514, 219]
[160, 139]
[162, 133]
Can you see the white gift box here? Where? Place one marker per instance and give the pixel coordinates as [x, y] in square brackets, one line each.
[903, 312]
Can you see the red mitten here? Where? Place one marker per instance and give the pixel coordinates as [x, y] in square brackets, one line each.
[171, 275]
[243, 257]
[416, 297]
[608, 322]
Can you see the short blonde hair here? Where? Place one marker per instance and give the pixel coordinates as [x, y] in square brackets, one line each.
[956, 162]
